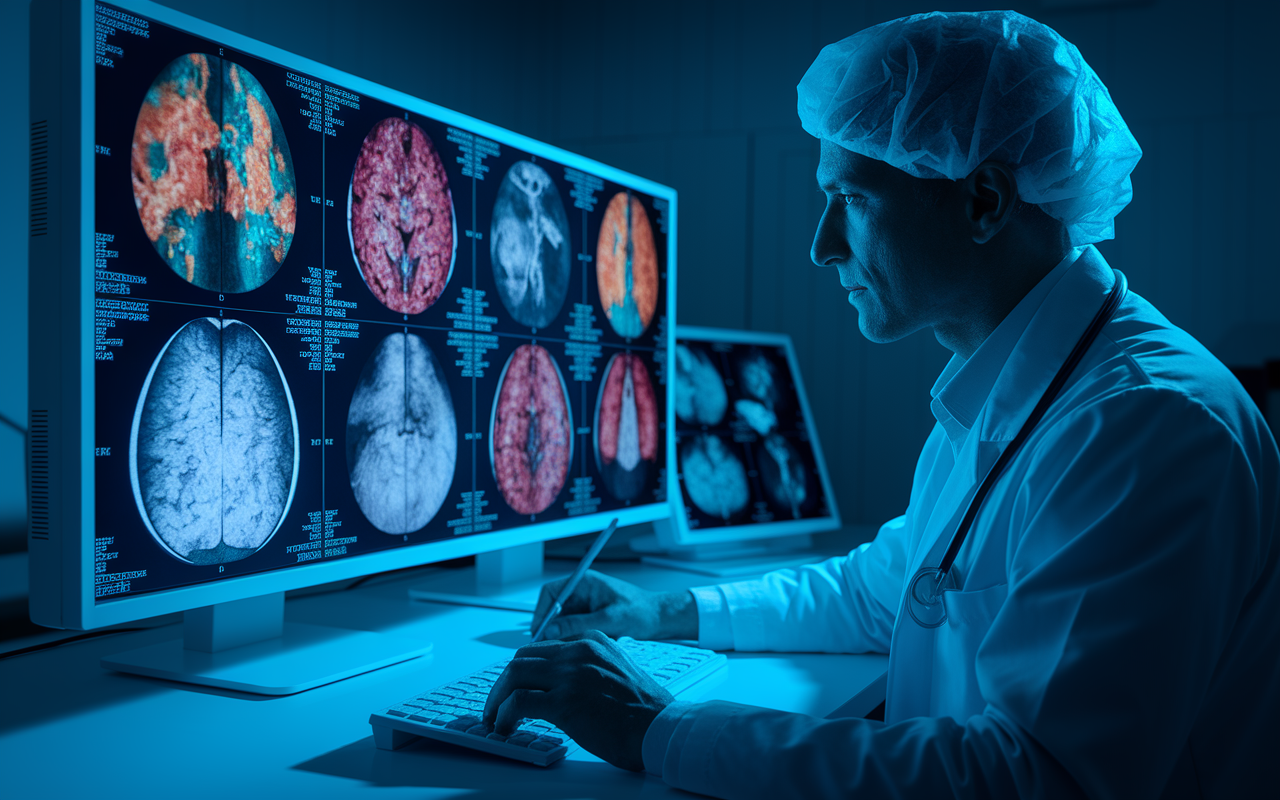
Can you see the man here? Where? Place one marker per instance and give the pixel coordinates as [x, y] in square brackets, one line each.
[1113, 617]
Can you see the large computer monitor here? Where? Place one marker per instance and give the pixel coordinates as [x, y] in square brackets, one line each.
[291, 327]
[750, 482]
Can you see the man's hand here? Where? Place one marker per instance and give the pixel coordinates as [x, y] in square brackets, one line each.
[617, 608]
[588, 688]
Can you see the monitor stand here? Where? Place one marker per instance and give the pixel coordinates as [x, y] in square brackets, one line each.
[732, 559]
[246, 646]
[508, 579]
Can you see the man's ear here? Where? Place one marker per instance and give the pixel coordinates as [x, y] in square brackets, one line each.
[991, 192]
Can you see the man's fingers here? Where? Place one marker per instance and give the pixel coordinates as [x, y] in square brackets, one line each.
[523, 704]
[523, 672]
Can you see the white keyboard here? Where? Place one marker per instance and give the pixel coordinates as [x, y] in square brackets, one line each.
[451, 713]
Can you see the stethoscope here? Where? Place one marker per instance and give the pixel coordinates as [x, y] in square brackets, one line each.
[924, 594]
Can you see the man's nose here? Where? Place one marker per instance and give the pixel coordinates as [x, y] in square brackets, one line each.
[829, 244]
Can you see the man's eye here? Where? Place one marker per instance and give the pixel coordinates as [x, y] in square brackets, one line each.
[847, 198]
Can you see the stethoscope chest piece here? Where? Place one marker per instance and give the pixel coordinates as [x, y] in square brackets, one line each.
[924, 596]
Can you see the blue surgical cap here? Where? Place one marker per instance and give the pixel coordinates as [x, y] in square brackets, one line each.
[937, 94]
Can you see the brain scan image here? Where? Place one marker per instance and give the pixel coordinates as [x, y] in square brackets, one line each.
[714, 477]
[213, 452]
[400, 217]
[627, 266]
[212, 177]
[626, 427]
[402, 436]
[700, 392]
[529, 245]
[783, 473]
[531, 431]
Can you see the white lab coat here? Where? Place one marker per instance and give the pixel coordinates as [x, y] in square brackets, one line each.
[1116, 632]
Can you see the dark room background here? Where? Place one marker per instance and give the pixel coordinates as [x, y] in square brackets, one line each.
[700, 95]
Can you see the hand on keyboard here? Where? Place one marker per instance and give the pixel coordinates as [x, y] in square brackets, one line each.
[587, 688]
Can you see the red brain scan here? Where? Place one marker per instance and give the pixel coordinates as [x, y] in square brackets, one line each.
[626, 427]
[531, 431]
[400, 217]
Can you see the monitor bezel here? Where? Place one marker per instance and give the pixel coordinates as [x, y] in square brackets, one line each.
[62, 563]
[679, 532]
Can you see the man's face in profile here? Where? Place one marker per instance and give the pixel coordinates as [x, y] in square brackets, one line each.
[893, 240]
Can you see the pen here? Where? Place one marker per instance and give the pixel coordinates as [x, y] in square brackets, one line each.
[583, 566]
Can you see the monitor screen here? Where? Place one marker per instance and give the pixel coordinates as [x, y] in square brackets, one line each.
[331, 323]
[750, 463]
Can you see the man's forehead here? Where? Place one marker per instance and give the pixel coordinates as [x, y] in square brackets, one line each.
[837, 165]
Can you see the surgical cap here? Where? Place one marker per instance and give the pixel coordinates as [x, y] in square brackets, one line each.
[937, 94]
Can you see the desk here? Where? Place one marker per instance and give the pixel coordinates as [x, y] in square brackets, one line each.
[69, 729]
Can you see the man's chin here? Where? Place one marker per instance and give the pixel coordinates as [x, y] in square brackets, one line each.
[877, 332]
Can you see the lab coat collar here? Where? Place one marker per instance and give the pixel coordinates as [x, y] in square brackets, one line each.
[1044, 345]
[961, 391]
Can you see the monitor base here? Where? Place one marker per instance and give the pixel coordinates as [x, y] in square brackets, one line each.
[463, 587]
[736, 559]
[302, 657]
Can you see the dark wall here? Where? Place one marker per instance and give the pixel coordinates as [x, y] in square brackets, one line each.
[701, 95]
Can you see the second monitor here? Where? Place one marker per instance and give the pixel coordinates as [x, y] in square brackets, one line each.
[751, 483]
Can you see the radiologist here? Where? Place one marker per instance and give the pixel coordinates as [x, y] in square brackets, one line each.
[1083, 596]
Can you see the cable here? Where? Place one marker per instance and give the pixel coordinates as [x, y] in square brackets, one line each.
[19, 428]
[35, 648]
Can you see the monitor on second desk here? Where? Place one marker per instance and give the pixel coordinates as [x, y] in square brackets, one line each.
[750, 477]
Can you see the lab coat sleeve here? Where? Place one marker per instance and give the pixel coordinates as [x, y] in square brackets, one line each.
[842, 605]
[1137, 534]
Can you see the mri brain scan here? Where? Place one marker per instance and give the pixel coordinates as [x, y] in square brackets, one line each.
[700, 394]
[531, 431]
[714, 477]
[400, 217]
[213, 451]
[402, 437]
[529, 245]
[626, 427]
[627, 266]
[212, 177]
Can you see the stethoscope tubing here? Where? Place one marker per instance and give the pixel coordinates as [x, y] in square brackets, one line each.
[1105, 314]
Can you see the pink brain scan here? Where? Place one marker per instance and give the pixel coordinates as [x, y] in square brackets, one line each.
[626, 427]
[531, 431]
[400, 217]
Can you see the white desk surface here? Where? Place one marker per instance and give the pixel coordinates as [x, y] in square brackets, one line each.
[70, 729]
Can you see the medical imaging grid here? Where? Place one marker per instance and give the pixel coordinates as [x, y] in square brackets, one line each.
[326, 325]
[745, 444]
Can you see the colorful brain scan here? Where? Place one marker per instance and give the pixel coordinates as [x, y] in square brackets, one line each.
[400, 217]
[529, 245]
[626, 427]
[402, 437]
[531, 431]
[212, 177]
[213, 452]
[627, 266]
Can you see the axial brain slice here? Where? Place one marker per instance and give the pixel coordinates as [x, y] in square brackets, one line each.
[402, 437]
[700, 392]
[529, 246]
[212, 177]
[627, 266]
[714, 477]
[213, 458]
[400, 217]
[626, 426]
[531, 431]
